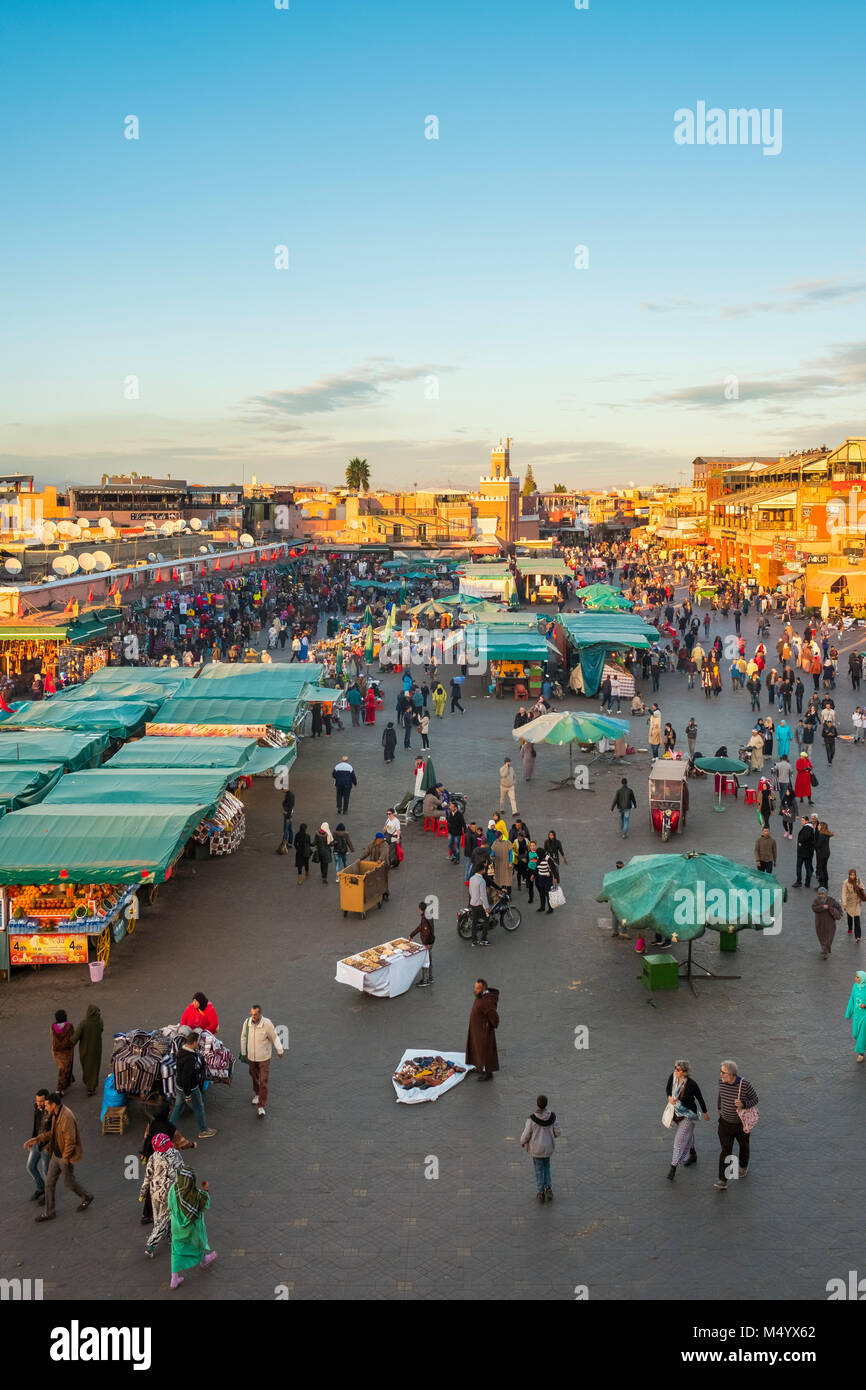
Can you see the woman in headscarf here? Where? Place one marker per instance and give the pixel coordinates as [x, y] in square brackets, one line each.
[159, 1177]
[303, 850]
[389, 741]
[63, 1049]
[827, 913]
[187, 1204]
[88, 1035]
[160, 1124]
[856, 1011]
[684, 1095]
[370, 707]
[322, 841]
[853, 894]
[803, 782]
[823, 836]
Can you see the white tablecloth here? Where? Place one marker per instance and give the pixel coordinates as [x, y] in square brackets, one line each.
[416, 1094]
[388, 982]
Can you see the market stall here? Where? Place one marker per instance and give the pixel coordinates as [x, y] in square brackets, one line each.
[23, 784]
[186, 716]
[119, 719]
[386, 970]
[541, 576]
[214, 747]
[73, 750]
[144, 1064]
[42, 643]
[93, 852]
[594, 635]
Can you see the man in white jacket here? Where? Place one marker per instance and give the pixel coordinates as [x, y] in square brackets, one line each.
[506, 786]
[258, 1039]
[539, 1139]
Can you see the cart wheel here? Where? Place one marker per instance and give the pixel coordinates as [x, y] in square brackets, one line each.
[345, 914]
[103, 945]
[130, 925]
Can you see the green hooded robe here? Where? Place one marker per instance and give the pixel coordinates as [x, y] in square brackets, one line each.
[856, 1011]
[88, 1035]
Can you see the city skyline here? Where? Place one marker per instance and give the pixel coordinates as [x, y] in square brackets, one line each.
[436, 296]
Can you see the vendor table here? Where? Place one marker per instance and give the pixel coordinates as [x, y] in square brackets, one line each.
[391, 979]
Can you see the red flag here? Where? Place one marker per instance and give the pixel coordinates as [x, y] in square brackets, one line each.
[158, 577]
[174, 573]
[126, 585]
[113, 590]
[231, 564]
[90, 594]
[68, 608]
[4, 706]
[217, 565]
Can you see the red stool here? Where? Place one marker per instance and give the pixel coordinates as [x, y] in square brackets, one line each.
[729, 786]
[750, 797]
[442, 827]
[430, 822]
[380, 703]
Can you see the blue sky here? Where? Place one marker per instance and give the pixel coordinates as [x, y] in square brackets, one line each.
[431, 302]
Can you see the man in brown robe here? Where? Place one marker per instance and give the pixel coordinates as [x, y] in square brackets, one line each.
[481, 1050]
[827, 913]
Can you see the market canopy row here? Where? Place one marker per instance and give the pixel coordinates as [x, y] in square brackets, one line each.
[242, 755]
[134, 787]
[83, 844]
[72, 749]
[250, 713]
[116, 718]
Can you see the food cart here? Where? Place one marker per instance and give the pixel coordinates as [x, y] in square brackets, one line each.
[386, 970]
[57, 924]
[668, 796]
[363, 884]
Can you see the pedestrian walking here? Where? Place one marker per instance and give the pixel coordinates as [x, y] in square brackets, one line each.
[539, 1137]
[692, 737]
[303, 851]
[856, 1011]
[767, 804]
[424, 728]
[685, 1103]
[407, 719]
[456, 690]
[481, 1050]
[389, 741]
[88, 1035]
[344, 779]
[502, 864]
[823, 836]
[527, 757]
[803, 781]
[506, 786]
[187, 1204]
[63, 1050]
[765, 851]
[546, 878]
[853, 896]
[190, 1081]
[624, 801]
[788, 811]
[62, 1142]
[353, 699]
[479, 906]
[805, 852]
[342, 846]
[440, 699]
[37, 1159]
[322, 852]
[162, 1169]
[258, 1040]
[288, 823]
[737, 1105]
[427, 932]
[827, 913]
[829, 733]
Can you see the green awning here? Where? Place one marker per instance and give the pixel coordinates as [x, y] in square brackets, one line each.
[135, 787]
[184, 752]
[278, 714]
[82, 844]
[233, 682]
[73, 750]
[512, 646]
[116, 718]
[140, 688]
[532, 565]
[264, 760]
[23, 784]
[119, 675]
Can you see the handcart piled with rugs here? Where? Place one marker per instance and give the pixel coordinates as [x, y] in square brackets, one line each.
[144, 1068]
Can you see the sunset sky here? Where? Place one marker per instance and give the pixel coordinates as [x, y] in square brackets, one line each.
[431, 303]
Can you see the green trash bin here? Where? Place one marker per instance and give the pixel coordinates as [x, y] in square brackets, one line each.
[728, 940]
[660, 972]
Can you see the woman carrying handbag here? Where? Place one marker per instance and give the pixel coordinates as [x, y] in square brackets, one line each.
[685, 1103]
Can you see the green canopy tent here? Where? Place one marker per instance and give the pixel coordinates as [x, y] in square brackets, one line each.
[116, 718]
[604, 598]
[112, 676]
[242, 755]
[135, 688]
[73, 750]
[280, 680]
[595, 634]
[240, 713]
[84, 844]
[680, 895]
[500, 644]
[24, 784]
[146, 786]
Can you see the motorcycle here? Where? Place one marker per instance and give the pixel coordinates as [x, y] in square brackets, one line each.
[501, 912]
[454, 800]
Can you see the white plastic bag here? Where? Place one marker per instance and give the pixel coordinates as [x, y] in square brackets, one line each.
[556, 897]
[668, 1115]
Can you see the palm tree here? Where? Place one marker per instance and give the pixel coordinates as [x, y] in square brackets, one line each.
[358, 475]
[560, 487]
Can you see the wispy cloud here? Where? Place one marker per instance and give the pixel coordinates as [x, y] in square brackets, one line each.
[841, 372]
[796, 298]
[367, 385]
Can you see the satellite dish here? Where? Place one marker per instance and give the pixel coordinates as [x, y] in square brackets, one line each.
[152, 558]
[74, 532]
[47, 535]
[202, 550]
[86, 561]
[101, 560]
[105, 522]
[210, 547]
[83, 523]
[167, 529]
[246, 539]
[150, 525]
[195, 524]
[108, 533]
[71, 564]
[13, 566]
[65, 528]
[159, 558]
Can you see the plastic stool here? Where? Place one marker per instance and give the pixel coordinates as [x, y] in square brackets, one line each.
[430, 823]
[750, 797]
[729, 786]
[442, 827]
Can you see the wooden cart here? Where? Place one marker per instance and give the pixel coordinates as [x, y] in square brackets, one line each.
[363, 884]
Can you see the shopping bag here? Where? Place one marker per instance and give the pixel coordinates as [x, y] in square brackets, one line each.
[556, 897]
[400, 855]
[668, 1115]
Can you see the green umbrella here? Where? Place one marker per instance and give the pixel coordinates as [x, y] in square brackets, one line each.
[571, 728]
[368, 616]
[731, 766]
[680, 895]
[368, 648]
[339, 666]
[404, 592]
[428, 776]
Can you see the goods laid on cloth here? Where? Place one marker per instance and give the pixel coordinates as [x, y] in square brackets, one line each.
[143, 1062]
[363, 884]
[424, 1074]
[386, 970]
